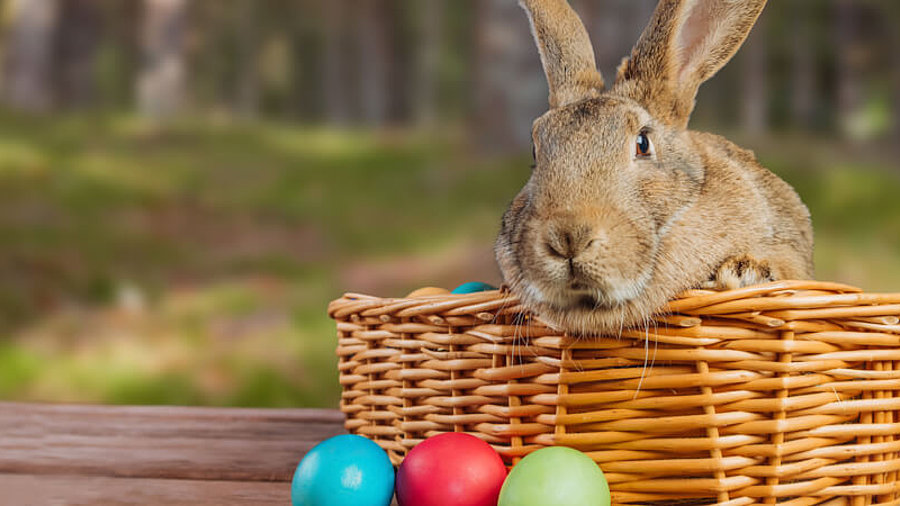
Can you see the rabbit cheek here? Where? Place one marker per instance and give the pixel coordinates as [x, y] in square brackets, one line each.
[507, 247]
[665, 198]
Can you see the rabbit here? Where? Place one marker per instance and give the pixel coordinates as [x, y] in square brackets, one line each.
[625, 207]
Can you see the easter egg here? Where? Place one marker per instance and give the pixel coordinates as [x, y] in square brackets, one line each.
[346, 470]
[472, 287]
[451, 469]
[427, 292]
[555, 476]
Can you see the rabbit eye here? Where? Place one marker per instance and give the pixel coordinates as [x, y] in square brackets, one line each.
[642, 145]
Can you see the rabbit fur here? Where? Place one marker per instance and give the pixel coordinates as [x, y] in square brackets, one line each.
[626, 207]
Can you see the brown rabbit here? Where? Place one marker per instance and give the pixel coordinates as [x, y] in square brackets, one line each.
[626, 207]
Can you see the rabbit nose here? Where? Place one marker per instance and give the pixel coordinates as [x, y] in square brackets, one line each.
[567, 243]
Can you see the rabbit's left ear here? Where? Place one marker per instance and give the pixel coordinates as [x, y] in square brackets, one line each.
[686, 43]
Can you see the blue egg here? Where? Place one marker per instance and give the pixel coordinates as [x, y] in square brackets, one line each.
[346, 470]
[472, 287]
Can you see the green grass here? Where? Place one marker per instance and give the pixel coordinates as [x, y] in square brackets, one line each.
[232, 239]
[193, 264]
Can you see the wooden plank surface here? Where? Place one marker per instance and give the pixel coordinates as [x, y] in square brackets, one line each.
[72, 454]
[56, 490]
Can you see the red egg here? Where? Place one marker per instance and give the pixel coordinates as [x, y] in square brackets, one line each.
[452, 469]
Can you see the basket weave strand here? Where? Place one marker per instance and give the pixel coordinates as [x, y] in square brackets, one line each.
[783, 393]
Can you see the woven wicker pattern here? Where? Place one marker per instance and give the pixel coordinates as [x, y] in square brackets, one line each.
[784, 393]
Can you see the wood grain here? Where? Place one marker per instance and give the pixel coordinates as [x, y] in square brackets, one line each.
[75, 454]
[52, 490]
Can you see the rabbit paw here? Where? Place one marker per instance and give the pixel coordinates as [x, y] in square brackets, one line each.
[740, 271]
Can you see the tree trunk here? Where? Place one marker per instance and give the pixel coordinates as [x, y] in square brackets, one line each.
[896, 95]
[28, 68]
[803, 64]
[374, 61]
[849, 65]
[614, 27]
[472, 32]
[334, 66]
[308, 95]
[161, 84]
[604, 23]
[754, 107]
[894, 38]
[429, 59]
[248, 56]
[643, 12]
[511, 89]
[77, 41]
[121, 25]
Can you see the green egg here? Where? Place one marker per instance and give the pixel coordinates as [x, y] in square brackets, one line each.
[555, 476]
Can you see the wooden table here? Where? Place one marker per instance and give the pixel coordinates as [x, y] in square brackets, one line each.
[77, 455]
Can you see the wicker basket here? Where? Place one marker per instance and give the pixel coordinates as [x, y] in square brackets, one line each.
[784, 393]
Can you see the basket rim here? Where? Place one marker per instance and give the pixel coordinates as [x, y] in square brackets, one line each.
[786, 299]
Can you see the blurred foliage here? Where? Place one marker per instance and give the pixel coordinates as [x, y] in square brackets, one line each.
[192, 264]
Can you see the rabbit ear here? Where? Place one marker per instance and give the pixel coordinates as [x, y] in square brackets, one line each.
[686, 42]
[566, 51]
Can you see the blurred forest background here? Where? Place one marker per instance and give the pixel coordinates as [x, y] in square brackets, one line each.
[185, 184]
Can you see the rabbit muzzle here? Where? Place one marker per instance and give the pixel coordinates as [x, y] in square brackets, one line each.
[591, 259]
